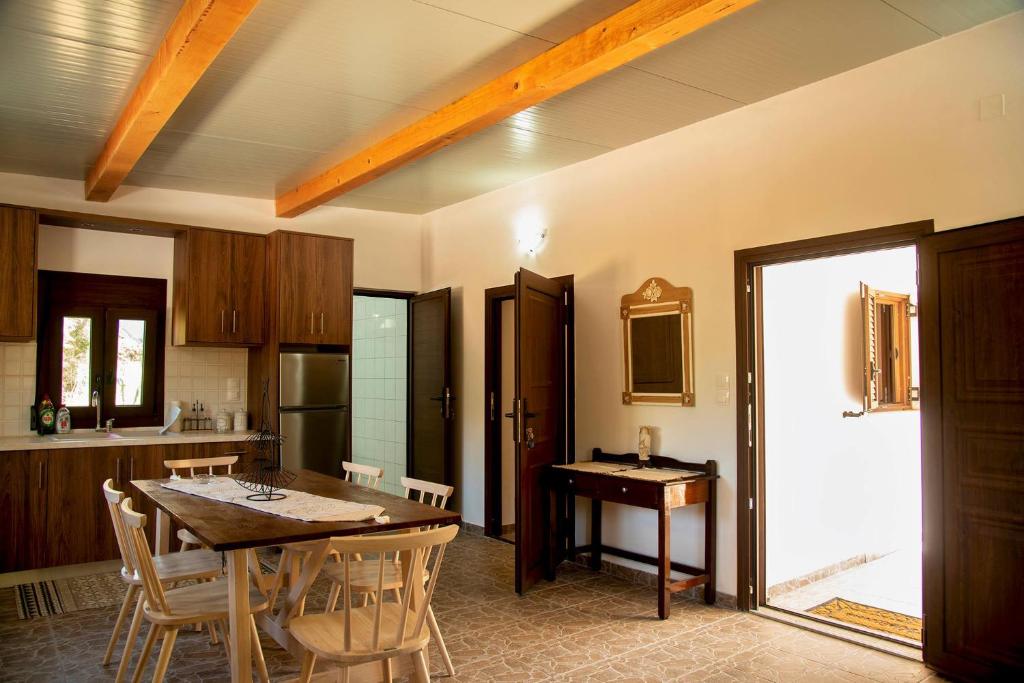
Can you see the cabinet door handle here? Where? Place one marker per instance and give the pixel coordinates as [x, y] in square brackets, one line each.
[311, 323]
[234, 321]
[131, 468]
[321, 322]
[117, 472]
[222, 320]
[41, 474]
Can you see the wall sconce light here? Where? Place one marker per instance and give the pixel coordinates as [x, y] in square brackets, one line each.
[530, 230]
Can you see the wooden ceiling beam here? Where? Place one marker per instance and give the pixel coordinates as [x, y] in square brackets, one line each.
[195, 38]
[634, 31]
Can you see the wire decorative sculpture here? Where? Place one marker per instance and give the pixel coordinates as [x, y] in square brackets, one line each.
[265, 476]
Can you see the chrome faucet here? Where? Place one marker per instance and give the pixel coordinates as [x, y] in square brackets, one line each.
[96, 402]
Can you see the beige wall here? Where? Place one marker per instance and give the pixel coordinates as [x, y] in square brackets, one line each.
[894, 141]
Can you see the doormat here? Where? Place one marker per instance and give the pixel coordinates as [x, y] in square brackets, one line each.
[49, 598]
[874, 618]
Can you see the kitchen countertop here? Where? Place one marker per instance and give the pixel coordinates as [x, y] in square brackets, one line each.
[87, 438]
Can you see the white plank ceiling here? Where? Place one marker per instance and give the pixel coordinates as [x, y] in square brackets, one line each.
[305, 83]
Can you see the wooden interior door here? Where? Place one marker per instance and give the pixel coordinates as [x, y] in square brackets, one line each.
[540, 413]
[248, 287]
[431, 401]
[972, 401]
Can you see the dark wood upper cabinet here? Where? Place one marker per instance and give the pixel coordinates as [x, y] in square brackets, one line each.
[18, 246]
[219, 284]
[313, 295]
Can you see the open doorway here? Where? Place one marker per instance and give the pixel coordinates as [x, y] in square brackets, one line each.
[841, 440]
[529, 381]
[830, 455]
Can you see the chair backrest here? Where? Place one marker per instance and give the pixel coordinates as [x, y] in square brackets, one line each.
[420, 545]
[114, 498]
[364, 475]
[191, 464]
[439, 493]
[135, 526]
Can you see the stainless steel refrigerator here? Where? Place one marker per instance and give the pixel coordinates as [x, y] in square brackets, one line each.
[314, 411]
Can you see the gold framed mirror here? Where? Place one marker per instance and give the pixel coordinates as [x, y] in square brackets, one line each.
[657, 339]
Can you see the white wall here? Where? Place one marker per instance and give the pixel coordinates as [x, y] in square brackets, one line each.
[836, 487]
[891, 142]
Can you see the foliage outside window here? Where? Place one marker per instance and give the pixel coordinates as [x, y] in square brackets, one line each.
[102, 334]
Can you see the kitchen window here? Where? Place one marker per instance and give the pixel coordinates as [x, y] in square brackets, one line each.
[102, 335]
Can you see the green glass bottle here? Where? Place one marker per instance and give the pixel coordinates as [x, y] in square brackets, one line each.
[47, 416]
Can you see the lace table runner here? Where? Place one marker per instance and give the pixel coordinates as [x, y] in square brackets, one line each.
[298, 504]
[656, 474]
[596, 466]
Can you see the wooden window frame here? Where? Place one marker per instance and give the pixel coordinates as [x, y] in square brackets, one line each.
[105, 299]
[882, 393]
[750, 521]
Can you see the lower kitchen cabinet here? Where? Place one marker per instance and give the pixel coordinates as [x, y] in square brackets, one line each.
[52, 510]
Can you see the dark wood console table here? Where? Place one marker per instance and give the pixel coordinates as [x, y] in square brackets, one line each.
[665, 484]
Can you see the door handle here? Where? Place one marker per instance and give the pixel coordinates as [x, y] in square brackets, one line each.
[311, 322]
[321, 322]
[234, 321]
[517, 435]
[117, 472]
[222, 320]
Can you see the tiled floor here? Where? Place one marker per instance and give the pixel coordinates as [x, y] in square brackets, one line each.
[584, 627]
[892, 582]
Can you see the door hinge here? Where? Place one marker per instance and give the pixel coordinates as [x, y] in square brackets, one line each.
[750, 503]
[750, 427]
[750, 378]
[750, 587]
[492, 407]
[915, 393]
[911, 310]
[748, 288]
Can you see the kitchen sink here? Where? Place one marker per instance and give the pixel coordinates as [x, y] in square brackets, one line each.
[85, 436]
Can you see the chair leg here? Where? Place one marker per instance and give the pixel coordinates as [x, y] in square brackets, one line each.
[129, 643]
[385, 666]
[420, 662]
[214, 640]
[308, 662]
[119, 624]
[257, 651]
[346, 675]
[147, 648]
[227, 640]
[435, 633]
[170, 635]
[396, 594]
[332, 599]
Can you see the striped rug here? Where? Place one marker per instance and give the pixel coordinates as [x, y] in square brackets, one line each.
[60, 596]
[874, 618]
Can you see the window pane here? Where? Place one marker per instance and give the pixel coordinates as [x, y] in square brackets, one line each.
[76, 352]
[131, 337]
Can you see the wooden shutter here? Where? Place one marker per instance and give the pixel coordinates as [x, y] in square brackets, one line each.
[867, 302]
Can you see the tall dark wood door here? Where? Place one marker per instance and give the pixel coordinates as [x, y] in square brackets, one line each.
[539, 428]
[972, 399]
[431, 401]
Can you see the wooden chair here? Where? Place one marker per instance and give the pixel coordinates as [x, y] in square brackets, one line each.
[194, 564]
[170, 610]
[364, 475]
[187, 538]
[383, 630]
[363, 573]
[293, 553]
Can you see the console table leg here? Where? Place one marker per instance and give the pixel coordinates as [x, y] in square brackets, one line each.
[595, 534]
[710, 542]
[664, 562]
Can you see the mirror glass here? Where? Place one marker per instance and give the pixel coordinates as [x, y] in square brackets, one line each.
[657, 339]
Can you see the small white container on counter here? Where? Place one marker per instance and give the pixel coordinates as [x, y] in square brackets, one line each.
[241, 420]
[223, 422]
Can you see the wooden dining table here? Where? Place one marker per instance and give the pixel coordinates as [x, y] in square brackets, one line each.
[237, 531]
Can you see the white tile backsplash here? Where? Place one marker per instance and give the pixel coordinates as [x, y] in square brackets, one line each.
[217, 377]
[379, 356]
